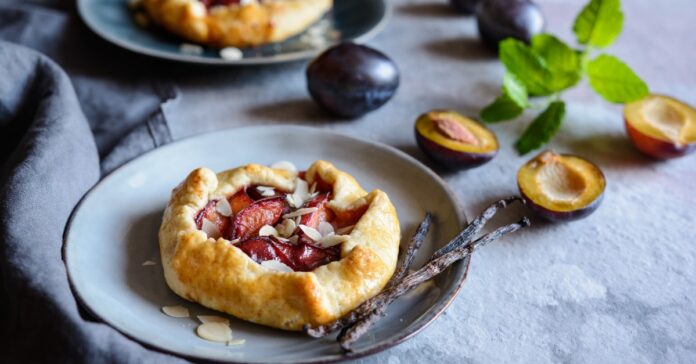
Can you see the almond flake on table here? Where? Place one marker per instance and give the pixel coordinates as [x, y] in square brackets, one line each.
[288, 166]
[268, 230]
[212, 318]
[215, 331]
[176, 311]
[148, 263]
[189, 48]
[300, 212]
[231, 53]
[311, 232]
[210, 229]
[223, 207]
[276, 266]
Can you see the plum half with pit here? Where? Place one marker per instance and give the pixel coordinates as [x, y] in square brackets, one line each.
[501, 19]
[661, 127]
[454, 140]
[561, 187]
[350, 80]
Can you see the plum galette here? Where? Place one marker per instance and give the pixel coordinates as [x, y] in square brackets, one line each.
[278, 247]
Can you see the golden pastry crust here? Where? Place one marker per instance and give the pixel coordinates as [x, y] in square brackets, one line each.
[219, 275]
[238, 25]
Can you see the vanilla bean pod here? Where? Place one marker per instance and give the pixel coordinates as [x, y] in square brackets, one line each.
[466, 235]
[427, 272]
[405, 260]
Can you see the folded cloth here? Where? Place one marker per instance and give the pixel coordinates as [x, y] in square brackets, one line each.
[55, 144]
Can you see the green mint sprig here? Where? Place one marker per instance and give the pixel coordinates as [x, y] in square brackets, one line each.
[547, 66]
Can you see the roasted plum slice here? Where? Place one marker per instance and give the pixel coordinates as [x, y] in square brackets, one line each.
[561, 187]
[302, 257]
[661, 127]
[210, 213]
[348, 217]
[262, 212]
[323, 212]
[455, 140]
[239, 201]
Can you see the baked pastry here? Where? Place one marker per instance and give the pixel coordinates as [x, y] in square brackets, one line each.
[278, 247]
[235, 22]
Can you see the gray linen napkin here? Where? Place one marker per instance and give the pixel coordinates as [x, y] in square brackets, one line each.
[55, 144]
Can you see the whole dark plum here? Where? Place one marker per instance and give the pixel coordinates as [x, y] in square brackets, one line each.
[467, 7]
[350, 79]
[501, 19]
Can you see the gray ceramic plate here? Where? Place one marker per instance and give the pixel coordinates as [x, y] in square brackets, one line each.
[114, 230]
[356, 20]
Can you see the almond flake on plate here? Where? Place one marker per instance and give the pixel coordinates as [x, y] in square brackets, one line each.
[236, 342]
[212, 318]
[276, 266]
[345, 230]
[215, 331]
[268, 230]
[286, 165]
[300, 212]
[231, 54]
[176, 311]
[210, 229]
[311, 232]
[189, 48]
[223, 207]
[148, 262]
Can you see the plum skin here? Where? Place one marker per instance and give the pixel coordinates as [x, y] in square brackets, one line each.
[451, 158]
[501, 19]
[562, 216]
[350, 80]
[656, 148]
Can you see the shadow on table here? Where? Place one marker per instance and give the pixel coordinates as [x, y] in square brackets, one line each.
[613, 151]
[464, 49]
[303, 111]
[428, 10]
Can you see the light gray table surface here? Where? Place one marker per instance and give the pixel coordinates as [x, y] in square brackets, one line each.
[617, 286]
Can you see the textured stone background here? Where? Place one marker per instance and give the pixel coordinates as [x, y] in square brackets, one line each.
[615, 287]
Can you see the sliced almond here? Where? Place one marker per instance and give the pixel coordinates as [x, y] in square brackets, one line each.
[332, 240]
[268, 230]
[235, 241]
[325, 228]
[311, 232]
[313, 188]
[291, 200]
[176, 311]
[236, 342]
[301, 193]
[275, 265]
[215, 331]
[286, 165]
[223, 207]
[293, 239]
[231, 53]
[345, 230]
[210, 229]
[212, 318]
[300, 212]
[148, 262]
[190, 48]
[268, 193]
[286, 228]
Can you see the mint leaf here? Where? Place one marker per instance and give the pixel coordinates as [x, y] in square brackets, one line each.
[503, 108]
[563, 62]
[514, 88]
[510, 104]
[542, 128]
[614, 80]
[599, 23]
[527, 66]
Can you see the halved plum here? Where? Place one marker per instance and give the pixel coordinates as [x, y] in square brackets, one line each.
[262, 212]
[561, 187]
[455, 140]
[661, 127]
